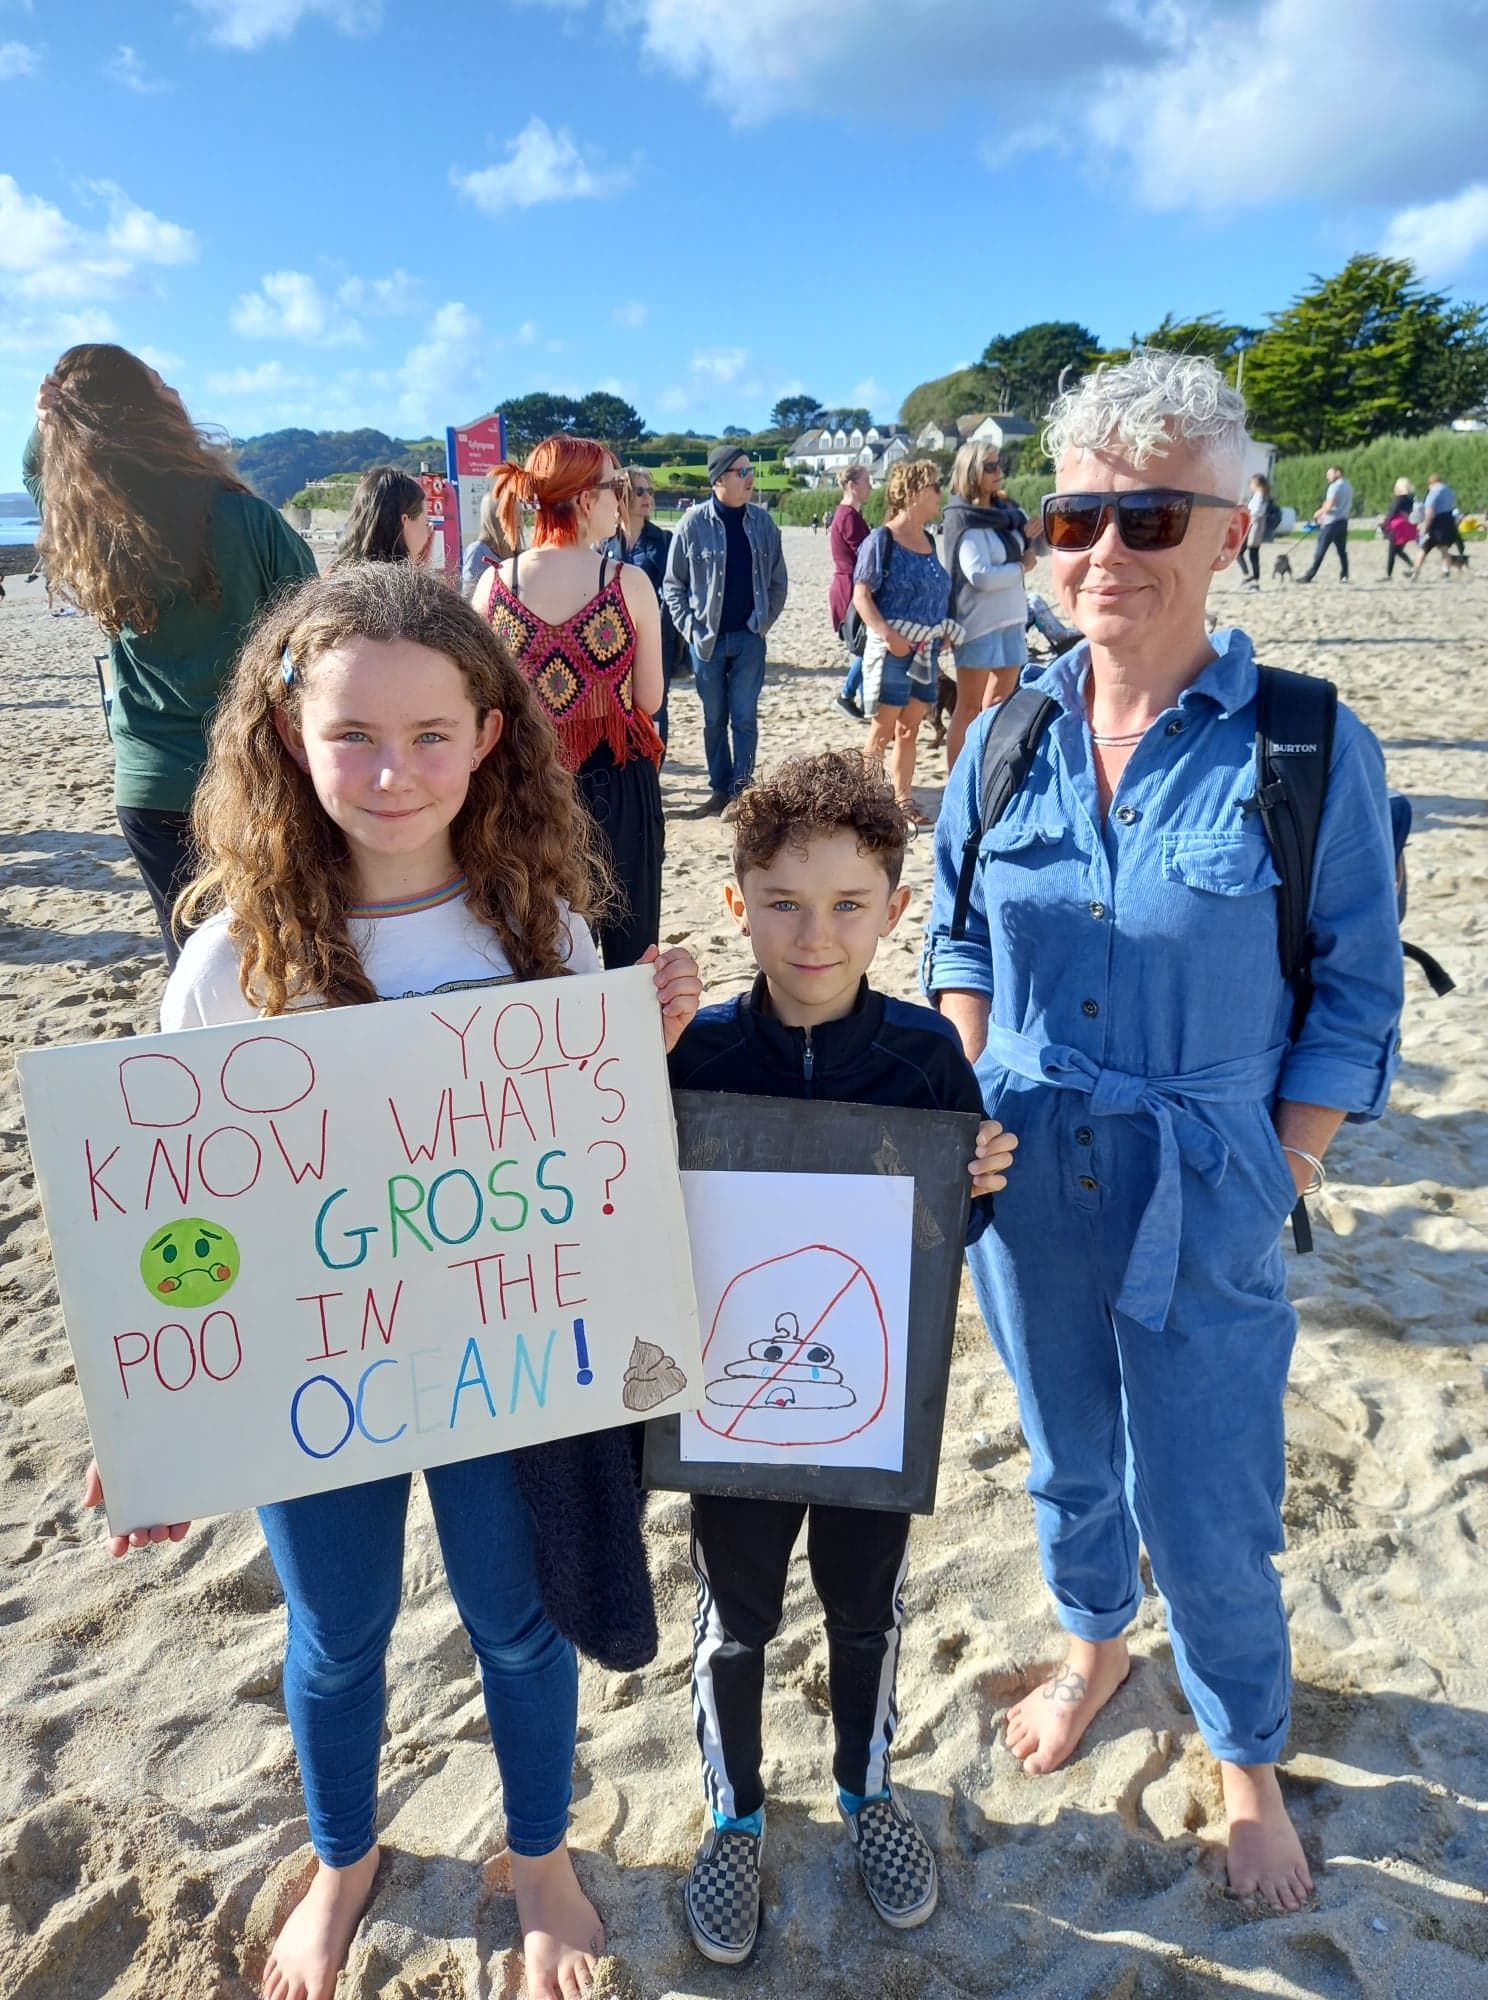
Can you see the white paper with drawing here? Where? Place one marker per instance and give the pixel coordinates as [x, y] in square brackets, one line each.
[803, 1298]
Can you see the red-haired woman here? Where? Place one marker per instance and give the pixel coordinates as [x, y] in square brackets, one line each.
[586, 632]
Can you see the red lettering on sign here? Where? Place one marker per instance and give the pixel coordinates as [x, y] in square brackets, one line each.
[372, 1316]
[95, 1185]
[430, 1151]
[181, 1182]
[314, 1168]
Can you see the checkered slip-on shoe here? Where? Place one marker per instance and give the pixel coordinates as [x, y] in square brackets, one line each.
[723, 1896]
[897, 1866]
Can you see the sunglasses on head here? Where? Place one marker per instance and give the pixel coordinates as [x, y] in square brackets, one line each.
[1152, 517]
[616, 484]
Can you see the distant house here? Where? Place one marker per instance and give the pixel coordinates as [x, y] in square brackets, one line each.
[976, 428]
[822, 454]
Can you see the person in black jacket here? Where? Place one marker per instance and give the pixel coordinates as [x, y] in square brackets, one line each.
[818, 850]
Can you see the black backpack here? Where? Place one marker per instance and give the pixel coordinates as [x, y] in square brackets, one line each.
[1295, 715]
[1271, 525]
[852, 631]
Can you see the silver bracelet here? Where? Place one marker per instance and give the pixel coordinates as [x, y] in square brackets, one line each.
[1319, 1172]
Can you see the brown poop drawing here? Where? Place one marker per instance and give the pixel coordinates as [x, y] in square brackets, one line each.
[652, 1377]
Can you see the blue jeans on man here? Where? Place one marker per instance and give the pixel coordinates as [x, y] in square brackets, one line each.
[1332, 535]
[729, 685]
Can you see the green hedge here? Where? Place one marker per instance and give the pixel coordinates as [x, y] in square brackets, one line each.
[1461, 457]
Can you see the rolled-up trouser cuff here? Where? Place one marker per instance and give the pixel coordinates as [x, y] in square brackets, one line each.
[535, 1840]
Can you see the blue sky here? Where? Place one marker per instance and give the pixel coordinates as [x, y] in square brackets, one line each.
[338, 212]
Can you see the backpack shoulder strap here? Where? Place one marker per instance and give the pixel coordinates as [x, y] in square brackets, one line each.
[1008, 750]
[1295, 718]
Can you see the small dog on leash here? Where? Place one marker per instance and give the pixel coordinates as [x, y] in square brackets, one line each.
[1281, 569]
[944, 709]
[1456, 564]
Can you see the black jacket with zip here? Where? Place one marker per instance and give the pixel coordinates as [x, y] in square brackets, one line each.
[884, 1052]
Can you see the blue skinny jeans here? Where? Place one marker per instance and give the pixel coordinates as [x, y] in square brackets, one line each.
[340, 1561]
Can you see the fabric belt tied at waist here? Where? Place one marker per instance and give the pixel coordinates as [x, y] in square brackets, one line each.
[1184, 1138]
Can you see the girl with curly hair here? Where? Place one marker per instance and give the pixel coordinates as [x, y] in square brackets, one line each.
[586, 631]
[147, 528]
[384, 811]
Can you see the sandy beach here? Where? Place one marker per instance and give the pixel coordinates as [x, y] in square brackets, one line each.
[151, 1831]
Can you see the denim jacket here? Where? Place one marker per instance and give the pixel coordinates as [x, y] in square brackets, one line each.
[693, 589]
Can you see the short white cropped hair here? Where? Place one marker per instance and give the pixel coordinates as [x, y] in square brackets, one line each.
[1143, 406]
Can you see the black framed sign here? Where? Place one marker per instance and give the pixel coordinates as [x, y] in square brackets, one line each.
[827, 1244]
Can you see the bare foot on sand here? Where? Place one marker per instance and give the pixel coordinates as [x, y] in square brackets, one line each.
[311, 1949]
[1265, 1855]
[562, 1935]
[1043, 1730]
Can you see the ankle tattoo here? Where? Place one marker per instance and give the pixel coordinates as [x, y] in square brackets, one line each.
[1067, 1686]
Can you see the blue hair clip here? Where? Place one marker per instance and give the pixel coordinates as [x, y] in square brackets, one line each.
[287, 668]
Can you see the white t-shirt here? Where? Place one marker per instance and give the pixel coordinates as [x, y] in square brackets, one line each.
[439, 948]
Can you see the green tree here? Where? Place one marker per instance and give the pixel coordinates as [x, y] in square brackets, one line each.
[796, 414]
[946, 398]
[1365, 352]
[856, 419]
[608, 418]
[1208, 334]
[529, 419]
[1023, 369]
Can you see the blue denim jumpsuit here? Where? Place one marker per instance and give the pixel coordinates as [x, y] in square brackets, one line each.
[1133, 1281]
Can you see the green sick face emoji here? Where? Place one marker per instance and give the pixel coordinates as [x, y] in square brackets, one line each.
[190, 1263]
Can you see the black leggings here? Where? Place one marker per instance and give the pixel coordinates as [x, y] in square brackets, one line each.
[161, 845]
[624, 801]
[1398, 554]
[1255, 563]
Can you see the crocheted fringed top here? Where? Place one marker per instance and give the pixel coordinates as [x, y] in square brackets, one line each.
[582, 671]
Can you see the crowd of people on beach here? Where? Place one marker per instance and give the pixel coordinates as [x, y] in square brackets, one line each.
[371, 784]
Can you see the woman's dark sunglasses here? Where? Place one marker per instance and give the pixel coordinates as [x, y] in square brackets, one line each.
[1152, 517]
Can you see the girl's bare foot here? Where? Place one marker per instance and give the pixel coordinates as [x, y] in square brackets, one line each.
[1043, 1730]
[562, 1935]
[1265, 1856]
[311, 1949]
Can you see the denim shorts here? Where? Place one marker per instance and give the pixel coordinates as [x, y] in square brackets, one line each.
[895, 689]
[1006, 647]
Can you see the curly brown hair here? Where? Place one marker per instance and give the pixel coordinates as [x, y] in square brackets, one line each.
[128, 483]
[833, 792]
[278, 863]
[907, 478]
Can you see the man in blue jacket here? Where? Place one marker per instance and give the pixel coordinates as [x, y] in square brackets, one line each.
[725, 586]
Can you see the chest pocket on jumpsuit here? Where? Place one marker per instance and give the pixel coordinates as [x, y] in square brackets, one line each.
[1014, 861]
[1228, 926]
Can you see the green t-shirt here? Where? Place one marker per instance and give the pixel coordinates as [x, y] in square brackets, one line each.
[166, 682]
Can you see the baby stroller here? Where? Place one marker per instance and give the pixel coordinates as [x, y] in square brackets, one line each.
[1049, 636]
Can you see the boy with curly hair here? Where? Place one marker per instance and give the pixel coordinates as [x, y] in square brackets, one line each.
[818, 852]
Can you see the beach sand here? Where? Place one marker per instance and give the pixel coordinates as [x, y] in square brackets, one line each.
[151, 1833]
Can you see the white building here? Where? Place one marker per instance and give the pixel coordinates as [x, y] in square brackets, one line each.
[821, 455]
[1000, 428]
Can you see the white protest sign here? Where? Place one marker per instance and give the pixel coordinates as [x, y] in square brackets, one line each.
[300, 1253]
[803, 1285]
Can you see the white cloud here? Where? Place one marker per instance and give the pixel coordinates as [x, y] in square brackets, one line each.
[1191, 104]
[866, 395]
[673, 401]
[159, 358]
[1441, 236]
[248, 24]
[289, 305]
[139, 235]
[527, 332]
[396, 294]
[542, 165]
[632, 315]
[47, 257]
[46, 335]
[723, 365]
[268, 379]
[444, 379]
[126, 68]
[18, 59]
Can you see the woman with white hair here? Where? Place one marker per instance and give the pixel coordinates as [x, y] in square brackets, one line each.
[1112, 964]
